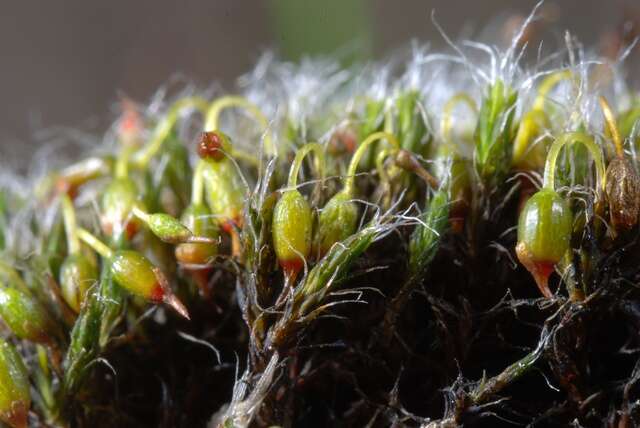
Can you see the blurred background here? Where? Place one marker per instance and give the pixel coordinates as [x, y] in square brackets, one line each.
[65, 63]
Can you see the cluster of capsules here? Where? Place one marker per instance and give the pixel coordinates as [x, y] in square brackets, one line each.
[380, 144]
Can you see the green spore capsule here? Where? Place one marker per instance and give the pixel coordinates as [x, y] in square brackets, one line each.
[25, 316]
[118, 201]
[338, 220]
[224, 193]
[292, 225]
[135, 273]
[168, 229]
[15, 396]
[71, 178]
[544, 235]
[77, 275]
[198, 219]
[546, 220]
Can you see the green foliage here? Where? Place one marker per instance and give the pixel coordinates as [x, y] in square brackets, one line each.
[354, 299]
[494, 133]
[15, 396]
[427, 234]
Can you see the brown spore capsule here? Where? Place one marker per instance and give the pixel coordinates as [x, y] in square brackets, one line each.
[212, 145]
[622, 190]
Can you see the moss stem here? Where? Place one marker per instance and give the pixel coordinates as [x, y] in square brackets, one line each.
[547, 85]
[164, 127]
[94, 243]
[213, 116]
[570, 138]
[197, 184]
[297, 162]
[357, 156]
[612, 127]
[140, 214]
[70, 225]
[122, 163]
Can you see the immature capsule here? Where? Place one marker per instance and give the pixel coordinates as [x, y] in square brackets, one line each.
[25, 316]
[168, 229]
[224, 192]
[15, 396]
[118, 200]
[77, 275]
[135, 273]
[544, 234]
[198, 219]
[71, 178]
[338, 220]
[291, 229]
[622, 190]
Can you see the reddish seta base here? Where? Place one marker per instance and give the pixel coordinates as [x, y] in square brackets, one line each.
[157, 294]
[291, 268]
[18, 417]
[230, 225]
[541, 271]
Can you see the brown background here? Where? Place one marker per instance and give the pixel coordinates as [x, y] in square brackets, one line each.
[64, 62]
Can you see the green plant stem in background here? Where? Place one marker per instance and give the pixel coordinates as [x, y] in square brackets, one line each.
[212, 117]
[547, 86]
[164, 127]
[570, 138]
[362, 149]
[69, 215]
[612, 127]
[447, 112]
[318, 151]
[95, 243]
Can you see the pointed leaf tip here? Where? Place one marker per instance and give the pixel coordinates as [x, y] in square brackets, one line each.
[172, 301]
